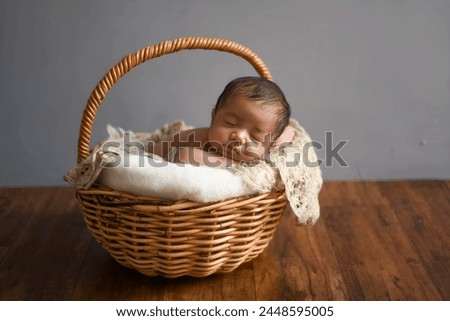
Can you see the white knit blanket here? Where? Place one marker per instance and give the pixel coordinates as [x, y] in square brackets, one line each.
[125, 168]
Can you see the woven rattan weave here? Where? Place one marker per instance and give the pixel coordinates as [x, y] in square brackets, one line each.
[175, 238]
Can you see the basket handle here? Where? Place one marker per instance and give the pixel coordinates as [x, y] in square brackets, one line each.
[147, 53]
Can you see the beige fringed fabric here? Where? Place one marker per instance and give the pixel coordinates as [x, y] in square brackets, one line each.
[293, 167]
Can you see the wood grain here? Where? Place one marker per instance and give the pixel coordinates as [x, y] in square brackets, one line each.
[387, 240]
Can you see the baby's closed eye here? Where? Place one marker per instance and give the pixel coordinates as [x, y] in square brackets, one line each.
[229, 123]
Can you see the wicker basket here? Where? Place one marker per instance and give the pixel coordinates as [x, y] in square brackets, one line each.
[175, 238]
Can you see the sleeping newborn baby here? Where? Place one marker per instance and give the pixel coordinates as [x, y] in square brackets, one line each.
[249, 120]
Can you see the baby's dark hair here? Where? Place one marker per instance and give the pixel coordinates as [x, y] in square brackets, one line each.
[262, 90]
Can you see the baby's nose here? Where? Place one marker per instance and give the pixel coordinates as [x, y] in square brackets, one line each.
[239, 137]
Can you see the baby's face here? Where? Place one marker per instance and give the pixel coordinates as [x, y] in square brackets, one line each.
[241, 129]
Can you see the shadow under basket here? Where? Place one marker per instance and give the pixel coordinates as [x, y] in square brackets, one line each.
[176, 238]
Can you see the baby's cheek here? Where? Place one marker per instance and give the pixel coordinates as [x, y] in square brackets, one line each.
[215, 135]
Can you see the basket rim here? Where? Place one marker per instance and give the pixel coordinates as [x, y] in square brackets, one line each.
[169, 205]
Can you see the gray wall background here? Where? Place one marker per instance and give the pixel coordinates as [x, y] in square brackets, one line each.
[375, 73]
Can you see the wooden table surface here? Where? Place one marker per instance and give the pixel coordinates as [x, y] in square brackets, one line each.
[374, 241]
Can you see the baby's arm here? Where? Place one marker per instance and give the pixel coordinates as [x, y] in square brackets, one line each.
[200, 157]
[189, 138]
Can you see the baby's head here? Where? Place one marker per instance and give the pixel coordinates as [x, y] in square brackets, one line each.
[269, 97]
[250, 111]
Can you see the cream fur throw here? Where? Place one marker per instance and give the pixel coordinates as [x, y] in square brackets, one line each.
[149, 174]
